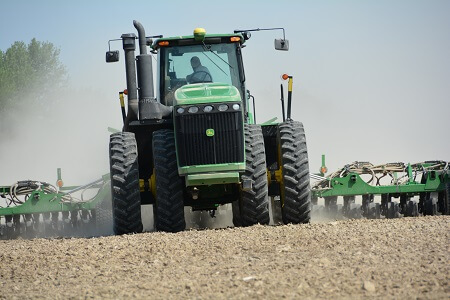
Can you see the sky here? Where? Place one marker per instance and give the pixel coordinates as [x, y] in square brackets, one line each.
[371, 78]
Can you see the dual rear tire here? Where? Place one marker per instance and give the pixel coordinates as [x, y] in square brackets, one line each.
[295, 191]
[126, 201]
[295, 185]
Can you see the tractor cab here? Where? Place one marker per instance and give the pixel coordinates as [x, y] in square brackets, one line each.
[198, 59]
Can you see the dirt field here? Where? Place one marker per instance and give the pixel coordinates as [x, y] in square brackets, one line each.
[405, 258]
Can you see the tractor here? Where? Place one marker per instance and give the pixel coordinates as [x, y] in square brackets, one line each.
[191, 139]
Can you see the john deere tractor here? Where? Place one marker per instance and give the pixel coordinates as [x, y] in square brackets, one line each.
[191, 139]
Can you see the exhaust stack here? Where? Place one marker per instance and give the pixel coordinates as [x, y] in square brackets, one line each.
[149, 107]
[129, 46]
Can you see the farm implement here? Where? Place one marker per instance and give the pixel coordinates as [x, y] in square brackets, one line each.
[37, 209]
[407, 190]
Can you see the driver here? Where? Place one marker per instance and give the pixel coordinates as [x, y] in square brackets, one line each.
[200, 74]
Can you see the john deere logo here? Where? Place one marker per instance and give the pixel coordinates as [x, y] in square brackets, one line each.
[210, 132]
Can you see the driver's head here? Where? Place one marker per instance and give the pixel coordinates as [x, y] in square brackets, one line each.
[195, 62]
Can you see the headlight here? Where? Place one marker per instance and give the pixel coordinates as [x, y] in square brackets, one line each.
[208, 108]
[223, 107]
[236, 106]
[193, 109]
[180, 110]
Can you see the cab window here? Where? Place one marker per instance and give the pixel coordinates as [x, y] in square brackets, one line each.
[192, 64]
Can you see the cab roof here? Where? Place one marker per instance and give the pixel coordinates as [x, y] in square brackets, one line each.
[190, 40]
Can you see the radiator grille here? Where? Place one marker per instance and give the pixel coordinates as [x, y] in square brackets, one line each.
[196, 148]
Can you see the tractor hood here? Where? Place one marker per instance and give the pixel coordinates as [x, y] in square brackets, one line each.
[206, 93]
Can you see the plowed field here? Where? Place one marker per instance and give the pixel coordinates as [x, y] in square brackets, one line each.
[404, 258]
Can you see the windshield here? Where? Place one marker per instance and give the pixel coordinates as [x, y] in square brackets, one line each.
[196, 64]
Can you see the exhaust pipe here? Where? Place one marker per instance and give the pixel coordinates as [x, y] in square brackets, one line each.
[149, 107]
[129, 46]
[142, 40]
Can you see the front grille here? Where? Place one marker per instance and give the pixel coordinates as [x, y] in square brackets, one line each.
[196, 148]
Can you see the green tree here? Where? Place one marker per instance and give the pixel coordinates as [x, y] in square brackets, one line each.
[29, 72]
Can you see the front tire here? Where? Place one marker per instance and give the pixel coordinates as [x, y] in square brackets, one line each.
[168, 209]
[126, 199]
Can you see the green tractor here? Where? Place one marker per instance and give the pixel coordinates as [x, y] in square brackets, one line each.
[191, 140]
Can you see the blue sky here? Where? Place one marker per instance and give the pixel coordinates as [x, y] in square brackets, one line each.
[371, 78]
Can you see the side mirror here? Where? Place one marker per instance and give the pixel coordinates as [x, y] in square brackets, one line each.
[112, 56]
[281, 44]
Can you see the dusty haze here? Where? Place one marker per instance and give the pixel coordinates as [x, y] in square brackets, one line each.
[371, 79]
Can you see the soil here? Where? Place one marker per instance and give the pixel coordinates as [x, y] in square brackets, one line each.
[406, 258]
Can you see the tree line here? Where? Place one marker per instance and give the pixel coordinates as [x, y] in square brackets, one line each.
[28, 72]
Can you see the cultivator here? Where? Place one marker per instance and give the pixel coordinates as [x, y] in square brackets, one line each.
[405, 190]
[38, 209]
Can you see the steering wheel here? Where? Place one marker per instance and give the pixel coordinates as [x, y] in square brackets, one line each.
[195, 78]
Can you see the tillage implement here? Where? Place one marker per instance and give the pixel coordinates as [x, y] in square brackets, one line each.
[32, 208]
[403, 189]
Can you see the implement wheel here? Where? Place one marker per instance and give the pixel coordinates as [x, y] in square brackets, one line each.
[254, 203]
[126, 200]
[168, 209]
[295, 188]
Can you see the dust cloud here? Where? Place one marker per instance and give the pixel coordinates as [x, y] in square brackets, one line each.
[69, 130]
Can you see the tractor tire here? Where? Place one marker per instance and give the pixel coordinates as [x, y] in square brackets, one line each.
[126, 198]
[254, 203]
[235, 207]
[295, 186]
[444, 200]
[168, 209]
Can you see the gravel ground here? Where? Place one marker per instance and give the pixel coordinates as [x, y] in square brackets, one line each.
[405, 258]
